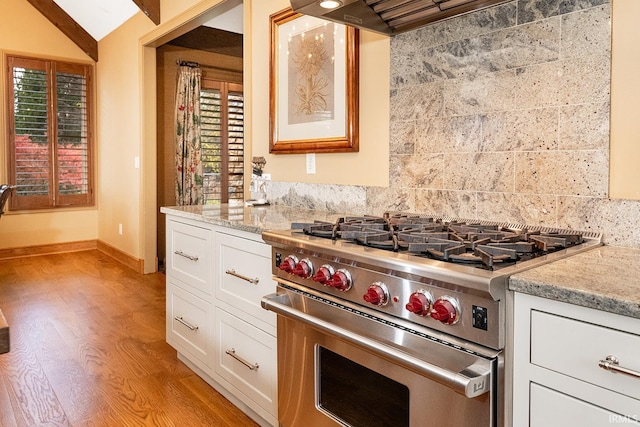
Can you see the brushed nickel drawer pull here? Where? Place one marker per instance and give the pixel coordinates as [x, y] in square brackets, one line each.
[187, 256]
[185, 323]
[612, 364]
[240, 276]
[233, 354]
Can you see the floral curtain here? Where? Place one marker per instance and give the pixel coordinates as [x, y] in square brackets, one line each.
[187, 161]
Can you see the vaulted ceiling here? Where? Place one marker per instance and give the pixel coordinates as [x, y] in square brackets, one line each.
[85, 22]
[55, 11]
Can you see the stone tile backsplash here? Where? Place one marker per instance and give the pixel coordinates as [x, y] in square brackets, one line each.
[498, 114]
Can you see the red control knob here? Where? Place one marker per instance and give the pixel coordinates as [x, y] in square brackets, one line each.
[419, 303]
[341, 280]
[324, 275]
[446, 310]
[303, 269]
[377, 294]
[288, 264]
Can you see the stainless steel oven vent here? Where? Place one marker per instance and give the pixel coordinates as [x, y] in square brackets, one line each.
[390, 16]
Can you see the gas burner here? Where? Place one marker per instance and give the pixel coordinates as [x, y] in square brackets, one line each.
[488, 245]
[485, 245]
[357, 228]
[317, 228]
[401, 219]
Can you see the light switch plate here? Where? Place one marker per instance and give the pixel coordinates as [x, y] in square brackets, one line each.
[311, 163]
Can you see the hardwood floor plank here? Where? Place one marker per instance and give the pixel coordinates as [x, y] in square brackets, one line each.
[7, 418]
[29, 387]
[179, 402]
[88, 349]
[225, 411]
[68, 378]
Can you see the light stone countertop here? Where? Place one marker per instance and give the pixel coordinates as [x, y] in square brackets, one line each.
[253, 219]
[606, 278]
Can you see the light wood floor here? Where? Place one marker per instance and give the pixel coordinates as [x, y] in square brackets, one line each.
[88, 349]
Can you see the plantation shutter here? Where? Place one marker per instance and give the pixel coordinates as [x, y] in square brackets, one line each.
[31, 168]
[235, 125]
[222, 141]
[72, 132]
[50, 159]
[211, 143]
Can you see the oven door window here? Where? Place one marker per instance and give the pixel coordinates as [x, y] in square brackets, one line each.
[356, 395]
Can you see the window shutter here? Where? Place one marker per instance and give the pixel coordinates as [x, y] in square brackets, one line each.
[72, 151]
[236, 145]
[222, 141]
[211, 143]
[31, 169]
[49, 141]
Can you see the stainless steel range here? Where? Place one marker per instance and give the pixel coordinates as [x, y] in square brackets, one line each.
[399, 320]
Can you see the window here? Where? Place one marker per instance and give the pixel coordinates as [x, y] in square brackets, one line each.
[222, 141]
[50, 133]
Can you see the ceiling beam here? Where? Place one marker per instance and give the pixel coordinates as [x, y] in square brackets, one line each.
[151, 8]
[68, 26]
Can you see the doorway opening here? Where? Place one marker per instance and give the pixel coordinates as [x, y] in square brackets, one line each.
[216, 46]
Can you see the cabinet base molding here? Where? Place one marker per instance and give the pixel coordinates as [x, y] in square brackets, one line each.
[229, 396]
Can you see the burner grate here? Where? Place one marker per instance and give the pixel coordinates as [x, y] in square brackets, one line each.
[485, 244]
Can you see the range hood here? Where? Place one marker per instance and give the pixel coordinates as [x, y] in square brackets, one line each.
[390, 16]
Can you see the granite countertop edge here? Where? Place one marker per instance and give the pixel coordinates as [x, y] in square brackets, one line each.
[576, 297]
[252, 219]
[606, 278]
[212, 219]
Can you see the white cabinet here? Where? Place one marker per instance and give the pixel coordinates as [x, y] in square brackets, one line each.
[244, 276]
[216, 277]
[558, 348]
[246, 358]
[190, 325]
[189, 291]
[245, 334]
[189, 255]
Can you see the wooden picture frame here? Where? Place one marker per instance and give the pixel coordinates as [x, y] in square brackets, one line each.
[313, 85]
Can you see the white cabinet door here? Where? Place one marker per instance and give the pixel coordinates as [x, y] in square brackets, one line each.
[190, 256]
[244, 276]
[557, 380]
[189, 326]
[574, 348]
[550, 408]
[246, 358]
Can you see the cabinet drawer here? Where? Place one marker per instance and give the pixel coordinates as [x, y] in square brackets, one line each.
[246, 358]
[189, 255]
[550, 408]
[189, 326]
[574, 348]
[244, 276]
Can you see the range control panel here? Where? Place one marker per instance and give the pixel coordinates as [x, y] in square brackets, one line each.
[430, 303]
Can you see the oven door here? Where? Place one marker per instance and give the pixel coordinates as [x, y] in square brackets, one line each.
[341, 366]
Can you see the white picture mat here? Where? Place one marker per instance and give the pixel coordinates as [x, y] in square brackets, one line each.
[335, 128]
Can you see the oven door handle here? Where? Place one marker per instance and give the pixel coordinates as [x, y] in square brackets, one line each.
[471, 382]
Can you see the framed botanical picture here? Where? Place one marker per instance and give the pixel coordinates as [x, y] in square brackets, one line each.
[313, 85]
